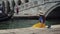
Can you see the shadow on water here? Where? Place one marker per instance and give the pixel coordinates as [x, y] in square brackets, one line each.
[23, 23]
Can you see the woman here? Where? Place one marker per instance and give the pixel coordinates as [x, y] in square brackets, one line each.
[42, 20]
[41, 23]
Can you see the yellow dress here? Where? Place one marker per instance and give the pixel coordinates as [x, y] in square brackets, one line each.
[39, 25]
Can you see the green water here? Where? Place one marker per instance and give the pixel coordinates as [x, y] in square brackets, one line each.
[18, 23]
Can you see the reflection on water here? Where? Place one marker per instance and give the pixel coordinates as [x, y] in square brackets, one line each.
[53, 21]
[18, 23]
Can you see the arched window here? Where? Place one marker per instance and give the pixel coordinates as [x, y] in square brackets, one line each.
[26, 1]
[19, 2]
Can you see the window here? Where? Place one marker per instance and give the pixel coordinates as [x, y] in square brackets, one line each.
[0, 4]
[45, 0]
[26, 1]
[19, 2]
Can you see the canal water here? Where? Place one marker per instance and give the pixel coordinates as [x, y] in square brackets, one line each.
[23, 23]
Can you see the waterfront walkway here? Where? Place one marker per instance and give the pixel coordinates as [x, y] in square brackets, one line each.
[29, 30]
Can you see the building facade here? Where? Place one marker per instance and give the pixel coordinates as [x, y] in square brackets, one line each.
[34, 7]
